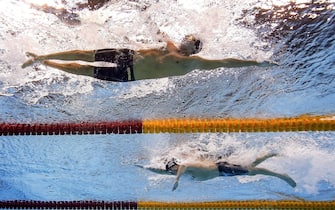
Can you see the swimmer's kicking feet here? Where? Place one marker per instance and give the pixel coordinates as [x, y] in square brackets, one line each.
[205, 169]
[131, 65]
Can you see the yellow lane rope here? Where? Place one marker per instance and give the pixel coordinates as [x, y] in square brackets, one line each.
[253, 204]
[303, 123]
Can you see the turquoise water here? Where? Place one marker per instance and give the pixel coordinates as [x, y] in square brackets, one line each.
[102, 167]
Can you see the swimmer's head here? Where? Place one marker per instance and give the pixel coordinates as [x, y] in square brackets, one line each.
[172, 166]
[190, 45]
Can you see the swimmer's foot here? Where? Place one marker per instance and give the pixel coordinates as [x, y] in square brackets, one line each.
[30, 54]
[30, 61]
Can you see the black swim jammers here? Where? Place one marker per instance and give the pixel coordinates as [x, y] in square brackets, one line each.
[227, 169]
[123, 58]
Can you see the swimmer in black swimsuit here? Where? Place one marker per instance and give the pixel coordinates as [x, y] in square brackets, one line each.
[204, 170]
[129, 65]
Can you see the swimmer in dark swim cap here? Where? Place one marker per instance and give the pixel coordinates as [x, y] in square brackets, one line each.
[123, 65]
[190, 45]
[205, 169]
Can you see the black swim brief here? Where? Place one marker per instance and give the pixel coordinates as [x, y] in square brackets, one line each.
[123, 58]
[227, 169]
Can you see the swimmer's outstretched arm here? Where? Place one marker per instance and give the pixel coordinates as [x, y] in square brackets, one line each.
[207, 64]
[155, 170]
[181, 169]
[262, 171]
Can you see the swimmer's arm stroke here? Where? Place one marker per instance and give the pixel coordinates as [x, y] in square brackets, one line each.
[181, 170]
[201, 165]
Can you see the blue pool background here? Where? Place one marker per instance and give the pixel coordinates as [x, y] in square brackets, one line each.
[102, 167]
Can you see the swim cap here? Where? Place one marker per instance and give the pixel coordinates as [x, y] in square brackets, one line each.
[172, 166]
[190, 45]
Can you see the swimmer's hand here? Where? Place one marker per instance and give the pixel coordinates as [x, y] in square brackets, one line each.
[268, 64]
[175, 186]
[28, 63]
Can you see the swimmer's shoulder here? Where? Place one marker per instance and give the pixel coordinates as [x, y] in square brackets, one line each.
[171, 47]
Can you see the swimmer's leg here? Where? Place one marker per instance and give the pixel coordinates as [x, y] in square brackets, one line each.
[262, 171]
[30, 54]
[30, 61]
[261, 159]
[69, 56]
[73, 68]
[66, 56]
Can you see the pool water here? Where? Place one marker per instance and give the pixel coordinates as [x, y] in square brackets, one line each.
[298, 36]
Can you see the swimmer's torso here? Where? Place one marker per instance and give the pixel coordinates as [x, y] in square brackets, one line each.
[159, 63]
[209, 170]
[227, 169]
[202, 170]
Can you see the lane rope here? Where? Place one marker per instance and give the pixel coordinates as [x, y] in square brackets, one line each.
[181, 125]
[303, 123]
[148, 205]
[252, 204]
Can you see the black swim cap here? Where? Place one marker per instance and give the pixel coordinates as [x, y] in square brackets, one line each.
[172, 166]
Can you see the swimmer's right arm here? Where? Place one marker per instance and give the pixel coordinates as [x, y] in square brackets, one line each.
[181, 170]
